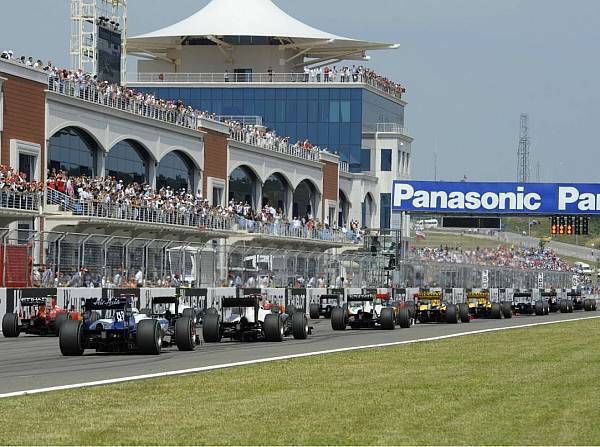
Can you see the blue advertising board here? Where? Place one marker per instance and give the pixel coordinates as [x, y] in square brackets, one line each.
[496, 198]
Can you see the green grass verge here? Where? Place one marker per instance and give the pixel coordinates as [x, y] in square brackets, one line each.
[523, 386]
[520, 224]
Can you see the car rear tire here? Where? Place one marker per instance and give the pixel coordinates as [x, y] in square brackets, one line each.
[211, 327]
[314, 311]
[70, 339]
[587, 305]
[148, 337]
[404, 318]
[463, 312]
[387, 319]
[563, 307]
[59, 320]
[10, 325]
[506, 310]
[338, 319]
[451, 314]
[191, 314]
[496, 311]
[273, 327]
[570, 306]
[546, 308]
[299, 326]
[185, 333]
[290, 309]
[539, 308]
[412, 308]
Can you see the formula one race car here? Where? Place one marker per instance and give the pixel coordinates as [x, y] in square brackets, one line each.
[326, 303]
[247, 318]
[430, 307]
[121, 328]
[369, 311]
[182, 328]
[37, 316]
[524, 304]
[576, 301]
[479, 306]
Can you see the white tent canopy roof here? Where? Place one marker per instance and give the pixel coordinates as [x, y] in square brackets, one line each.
[249, 18]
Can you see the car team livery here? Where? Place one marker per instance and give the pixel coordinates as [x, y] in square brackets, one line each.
[496, 198]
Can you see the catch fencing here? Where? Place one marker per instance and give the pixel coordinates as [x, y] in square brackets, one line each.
[54, 259]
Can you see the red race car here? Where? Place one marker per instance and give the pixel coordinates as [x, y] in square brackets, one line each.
[36, 316]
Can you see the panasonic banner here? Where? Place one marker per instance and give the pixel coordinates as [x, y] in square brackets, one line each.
[496, 198]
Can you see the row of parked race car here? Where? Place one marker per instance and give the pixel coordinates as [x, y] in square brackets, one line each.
[115, 325]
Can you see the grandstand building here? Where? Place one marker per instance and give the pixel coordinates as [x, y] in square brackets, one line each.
[272, 72]
[251, 61]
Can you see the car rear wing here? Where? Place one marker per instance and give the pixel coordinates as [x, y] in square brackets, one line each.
[245, 301]
[107, 303]
[360, 298]
[477, 295]
[522, 295]
[38, 301]
[165, 300]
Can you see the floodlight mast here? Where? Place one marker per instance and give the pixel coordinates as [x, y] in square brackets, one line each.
[86, 16]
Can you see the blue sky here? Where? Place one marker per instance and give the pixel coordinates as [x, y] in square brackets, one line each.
[470, 67]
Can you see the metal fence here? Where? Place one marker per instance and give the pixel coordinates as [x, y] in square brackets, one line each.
[269, 78]
[55, 259]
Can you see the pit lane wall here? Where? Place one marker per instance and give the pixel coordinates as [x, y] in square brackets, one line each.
[73, 298]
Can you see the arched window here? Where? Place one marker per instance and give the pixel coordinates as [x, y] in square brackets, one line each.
[344, 209]
[275, 192]
[304, 200]
[74, 151]
[242, 185]
[127, 161]
[175, 170]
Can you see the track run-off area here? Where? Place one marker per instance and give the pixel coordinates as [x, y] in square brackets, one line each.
[30, 364]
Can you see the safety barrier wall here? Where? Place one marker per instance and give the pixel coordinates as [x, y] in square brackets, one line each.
[73, 298]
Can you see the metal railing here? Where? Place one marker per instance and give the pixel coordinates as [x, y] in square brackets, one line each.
[187, 119]
[201, 219]
[280, 146]
[386, 128]
[22, 201]
[91, 93]
[268, 78]
[252, 120]
[344, 166]
[113, 261]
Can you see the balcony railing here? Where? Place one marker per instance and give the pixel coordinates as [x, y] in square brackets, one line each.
[386, 128]
[190, 120]
[21, 201]
[266, 78]
[130, 104]
[275, 145]
[200, 220]
[344, 166]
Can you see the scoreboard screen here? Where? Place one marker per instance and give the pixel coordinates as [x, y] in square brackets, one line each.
[109, 55]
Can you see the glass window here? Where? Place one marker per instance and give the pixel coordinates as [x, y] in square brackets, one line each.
[313, 111]
[290, 111]
[275, 192]
[280, 112]
[324, 111]
[365, 159]
[127, 161]
[386, 161]
[73, 151]
[302, 111]
[176, 171]
[242, 184]
[385, 210]
[334, 111]
[345, 111]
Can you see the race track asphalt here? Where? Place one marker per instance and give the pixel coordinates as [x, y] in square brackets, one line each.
[30, 362]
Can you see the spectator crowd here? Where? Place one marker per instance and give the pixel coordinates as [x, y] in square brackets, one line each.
[501, 256]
